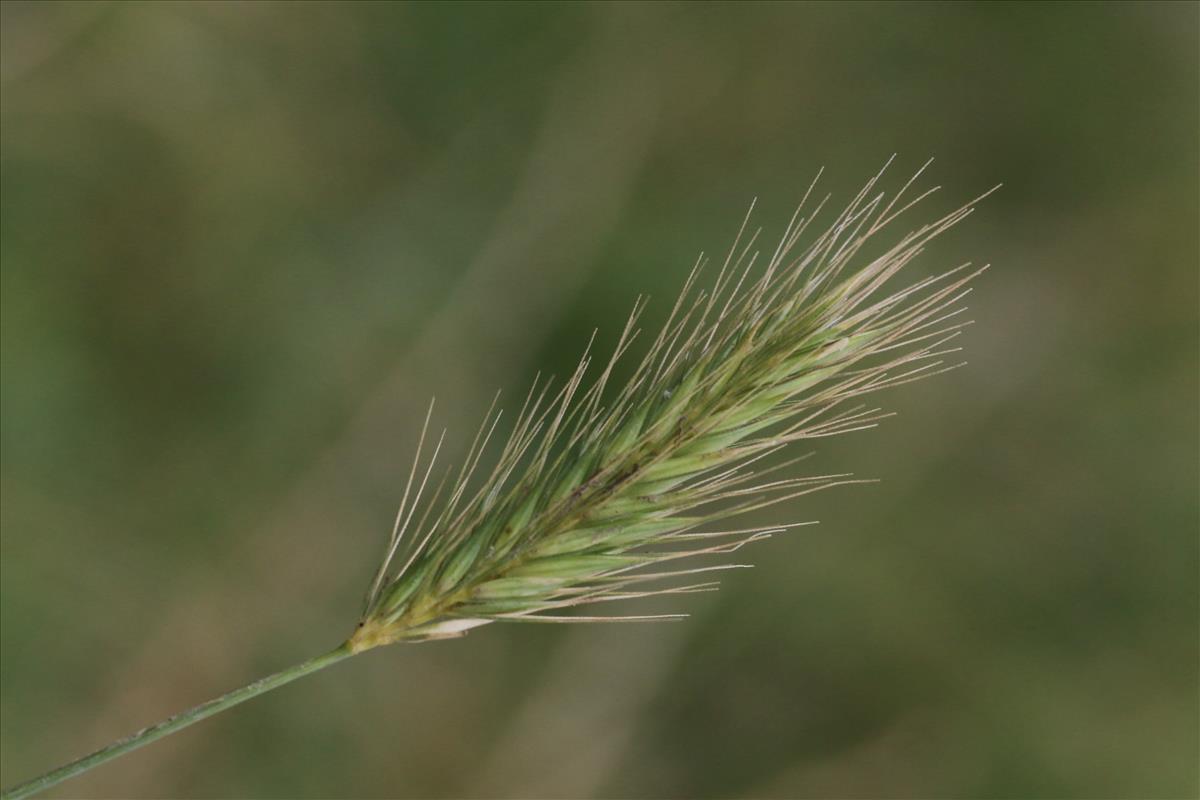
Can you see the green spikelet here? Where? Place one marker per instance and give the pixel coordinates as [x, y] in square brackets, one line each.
[593, 497]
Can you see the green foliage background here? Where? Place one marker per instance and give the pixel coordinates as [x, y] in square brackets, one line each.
[243, 243]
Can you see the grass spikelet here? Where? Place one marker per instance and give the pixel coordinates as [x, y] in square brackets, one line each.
[597, 498]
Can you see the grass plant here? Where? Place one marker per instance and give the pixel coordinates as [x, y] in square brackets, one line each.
[601, 494]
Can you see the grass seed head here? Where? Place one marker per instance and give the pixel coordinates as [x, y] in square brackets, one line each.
[602, 495]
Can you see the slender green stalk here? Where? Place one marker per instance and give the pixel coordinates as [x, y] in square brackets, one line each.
[175, 723]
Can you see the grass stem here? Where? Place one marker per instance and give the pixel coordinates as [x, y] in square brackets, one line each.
[175, 723]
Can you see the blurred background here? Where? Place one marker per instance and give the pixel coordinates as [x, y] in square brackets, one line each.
[243, 243]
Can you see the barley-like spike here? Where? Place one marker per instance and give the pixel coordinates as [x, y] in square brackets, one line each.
[585, 494]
